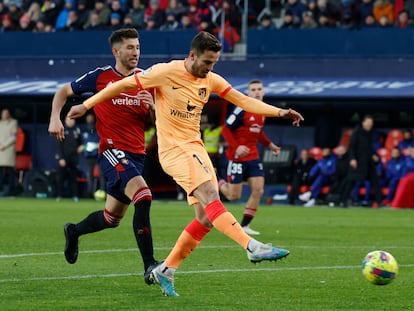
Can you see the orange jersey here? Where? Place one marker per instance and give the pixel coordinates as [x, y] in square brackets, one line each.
[180, 98]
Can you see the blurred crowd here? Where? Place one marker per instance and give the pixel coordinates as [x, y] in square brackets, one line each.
[207, 15]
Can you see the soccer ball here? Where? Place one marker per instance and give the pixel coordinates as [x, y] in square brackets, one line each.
[99, 195]
[379, 267]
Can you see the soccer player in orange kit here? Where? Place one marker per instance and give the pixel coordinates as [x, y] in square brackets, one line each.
[182, 88]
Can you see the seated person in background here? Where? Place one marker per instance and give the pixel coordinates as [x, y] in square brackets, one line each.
[338, 178]
[301, 169]
[322, 173]
[394, 172]
[408, 163]
[407, 141]
[367, 195]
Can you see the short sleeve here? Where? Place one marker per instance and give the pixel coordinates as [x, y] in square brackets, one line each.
[219, 85]
[152, 77]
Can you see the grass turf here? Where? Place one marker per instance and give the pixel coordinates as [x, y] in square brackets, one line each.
[323, 271]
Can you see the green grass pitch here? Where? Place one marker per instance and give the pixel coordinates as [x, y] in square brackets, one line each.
[323, 271]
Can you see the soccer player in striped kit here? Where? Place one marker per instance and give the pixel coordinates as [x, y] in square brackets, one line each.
[120, 122]
[183, 87]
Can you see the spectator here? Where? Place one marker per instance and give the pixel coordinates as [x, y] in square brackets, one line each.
[266, 23]
[363, 161]
[321, 174]
[232, 15]
[151, 24]
[288, 21]
[40, 26]
[369, 22]
[83, 13]
[348, 14]
[94, 22]
[155, 13]
[63, 17]
[300, 177]
[25, 24]
[90, 145]
[73, 23]
[117, 8]
[4, 9]
[409, 163]
[402, 19]
[394, 171]
[407, 141]
[49, 12]
[409, 7]
[326, 9]
[137, 13]
[384, 22]
[297, 8]
[34, 12]
[170, 23]
[175, 7]
[307, 21]
[15, 11]
[203, 12]
[128, 22]
[103, 12]
[8, 130]
[115, 21]
[365, 10]
[228, 35]
[7, 23]
[68, 160]
[185, 22]
[383, 8]
[206, 25]
[325, 22]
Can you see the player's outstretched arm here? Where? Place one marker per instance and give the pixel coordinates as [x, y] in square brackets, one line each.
[291, 114]
[111, 91]
[256, 106]
[56, 128]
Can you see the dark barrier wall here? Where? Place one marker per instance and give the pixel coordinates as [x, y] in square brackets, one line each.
[88, 43]
[372, 42]
[390, 42]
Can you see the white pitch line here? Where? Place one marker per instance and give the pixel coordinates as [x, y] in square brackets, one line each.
[95, 276]
[121, 250]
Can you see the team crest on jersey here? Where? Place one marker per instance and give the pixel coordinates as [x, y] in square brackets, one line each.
[202, 93]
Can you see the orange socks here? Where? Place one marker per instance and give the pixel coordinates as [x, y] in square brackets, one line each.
[186, 243]
[225, 222]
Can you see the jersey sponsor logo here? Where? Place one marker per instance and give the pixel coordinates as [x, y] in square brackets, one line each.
[202, 93]
[185, 114]
[255, 128]
[190, 108]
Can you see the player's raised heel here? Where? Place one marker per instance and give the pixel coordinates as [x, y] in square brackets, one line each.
[267, 252]
[165, 282]
[147, 274]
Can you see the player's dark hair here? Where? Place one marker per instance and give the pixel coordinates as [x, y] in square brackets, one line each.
[367, 116]
[205, 41]
[254, 81]
[124, 33]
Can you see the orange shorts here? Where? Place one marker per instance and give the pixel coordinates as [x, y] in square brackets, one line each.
[190, 166]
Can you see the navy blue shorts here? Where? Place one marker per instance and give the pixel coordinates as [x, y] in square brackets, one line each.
[237, 172]
[119, 167]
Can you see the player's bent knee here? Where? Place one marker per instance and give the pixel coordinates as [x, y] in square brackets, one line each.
[111, 219]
